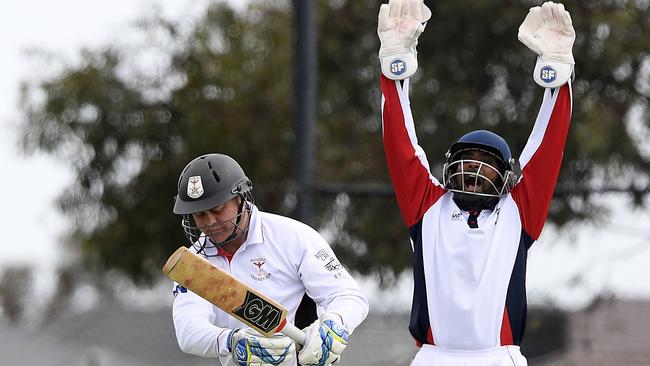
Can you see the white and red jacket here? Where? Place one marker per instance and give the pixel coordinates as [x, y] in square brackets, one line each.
[284, 259]
[470, 291]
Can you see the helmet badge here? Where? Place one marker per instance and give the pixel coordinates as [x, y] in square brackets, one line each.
[195, 187]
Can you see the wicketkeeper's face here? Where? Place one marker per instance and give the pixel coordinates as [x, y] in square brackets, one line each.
[218, 222]
[480, 174]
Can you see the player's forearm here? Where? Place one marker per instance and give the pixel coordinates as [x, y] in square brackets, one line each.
[549, 132]
[195, 332]
[352, 308]
[398, 129]
[542, 158]
[198, 337]
[407, 163]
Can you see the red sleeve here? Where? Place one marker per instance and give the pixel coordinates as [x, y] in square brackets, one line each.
[415, 188]
[542, 158]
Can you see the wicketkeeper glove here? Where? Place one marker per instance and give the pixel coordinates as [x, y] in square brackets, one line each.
[400, 24]
[325, 340]
[249, 348]
[548, 31]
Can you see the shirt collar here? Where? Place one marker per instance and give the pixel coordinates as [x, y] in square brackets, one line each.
[254, 228]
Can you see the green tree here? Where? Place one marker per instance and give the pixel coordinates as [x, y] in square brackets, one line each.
[227, 88]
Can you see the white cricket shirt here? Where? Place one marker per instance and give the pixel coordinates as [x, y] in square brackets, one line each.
[284, 259]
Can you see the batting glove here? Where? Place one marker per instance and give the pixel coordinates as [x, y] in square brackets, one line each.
[548, 31]
[400, 24]
[249, 348]
[325, 340]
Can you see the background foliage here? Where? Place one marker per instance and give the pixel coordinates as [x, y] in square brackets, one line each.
[224, 85]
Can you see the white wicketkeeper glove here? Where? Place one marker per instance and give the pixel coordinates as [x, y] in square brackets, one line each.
[548, 31]
[250, 348]
[400, 24]
[325, 340]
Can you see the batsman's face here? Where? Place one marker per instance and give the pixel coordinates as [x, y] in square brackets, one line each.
[218, 222]
[479, 172]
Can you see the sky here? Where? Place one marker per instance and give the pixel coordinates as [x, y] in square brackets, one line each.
[567, 266]
[31, 227]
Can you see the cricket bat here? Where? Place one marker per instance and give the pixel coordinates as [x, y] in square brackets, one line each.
[229, 294]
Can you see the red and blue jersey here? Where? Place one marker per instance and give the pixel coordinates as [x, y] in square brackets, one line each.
[469, 282]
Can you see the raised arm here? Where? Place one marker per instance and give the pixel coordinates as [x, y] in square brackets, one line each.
[400, 23]
[548, 31]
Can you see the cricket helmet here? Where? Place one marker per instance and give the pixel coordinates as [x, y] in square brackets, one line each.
[455, 176]
[207, 182]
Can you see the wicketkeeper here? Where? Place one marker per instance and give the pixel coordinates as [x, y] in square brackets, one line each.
[471, 232]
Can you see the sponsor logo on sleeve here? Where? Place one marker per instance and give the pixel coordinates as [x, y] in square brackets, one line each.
[322, 255]
[330, 263]
[333, 265]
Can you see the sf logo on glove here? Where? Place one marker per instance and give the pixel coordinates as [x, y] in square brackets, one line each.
[547, 74]
[397, 67]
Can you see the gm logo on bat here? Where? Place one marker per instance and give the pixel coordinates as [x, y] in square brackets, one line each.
[259, 312]
[547, 74]
[397, 67]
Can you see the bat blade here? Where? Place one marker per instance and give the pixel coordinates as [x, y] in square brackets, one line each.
[229, 294]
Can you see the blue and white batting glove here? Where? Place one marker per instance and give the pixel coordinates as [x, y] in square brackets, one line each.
[249, 348]
[325, 340]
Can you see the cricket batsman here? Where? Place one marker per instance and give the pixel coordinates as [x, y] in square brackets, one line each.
[278, 256]
[471, 232]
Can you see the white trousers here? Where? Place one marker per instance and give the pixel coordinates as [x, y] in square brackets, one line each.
[430, 355]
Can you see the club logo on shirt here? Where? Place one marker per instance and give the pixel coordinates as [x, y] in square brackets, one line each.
[195, 187]
[260, 274]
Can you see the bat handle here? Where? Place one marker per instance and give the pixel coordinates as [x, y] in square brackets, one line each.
[293, 332]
